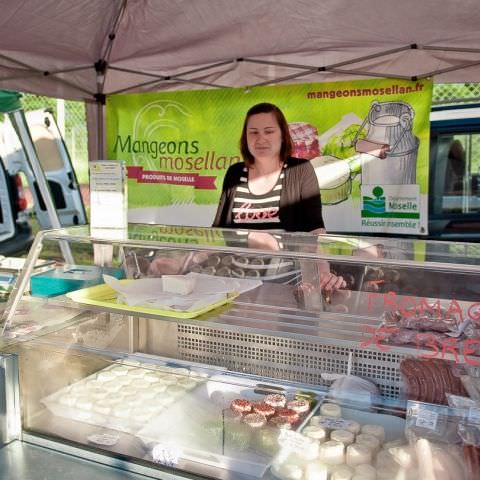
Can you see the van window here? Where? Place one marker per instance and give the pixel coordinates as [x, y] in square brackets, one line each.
[457, 174]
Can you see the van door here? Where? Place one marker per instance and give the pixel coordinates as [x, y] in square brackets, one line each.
[58, 168]
[454, 200]
[56, 164]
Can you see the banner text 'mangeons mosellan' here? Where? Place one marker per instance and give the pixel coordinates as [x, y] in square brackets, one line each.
[177, 151]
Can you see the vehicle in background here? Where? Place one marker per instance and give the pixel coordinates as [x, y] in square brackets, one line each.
[15, 230]
[54, 161]
[454, 188]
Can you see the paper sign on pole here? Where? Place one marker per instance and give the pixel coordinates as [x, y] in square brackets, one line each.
[108, 194]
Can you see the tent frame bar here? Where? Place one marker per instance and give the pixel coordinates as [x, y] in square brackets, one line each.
[113, 31]
[168, 77]
[366, 73]
[31, 72]
[177, 77]
[333, 65]
[27, 71]
[330, 68]
[450, 69]
[450, 49]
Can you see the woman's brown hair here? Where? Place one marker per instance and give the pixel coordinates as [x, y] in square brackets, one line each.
[287, 144]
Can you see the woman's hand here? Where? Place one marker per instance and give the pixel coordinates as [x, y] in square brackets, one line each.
[329, 282]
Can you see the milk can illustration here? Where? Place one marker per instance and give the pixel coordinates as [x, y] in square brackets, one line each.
[389, 150]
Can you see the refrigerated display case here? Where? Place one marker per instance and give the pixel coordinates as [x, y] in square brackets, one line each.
[186, 352]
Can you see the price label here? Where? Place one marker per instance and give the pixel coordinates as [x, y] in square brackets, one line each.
[293, 441]
[167, 455]
[334, 423]
[427, 419]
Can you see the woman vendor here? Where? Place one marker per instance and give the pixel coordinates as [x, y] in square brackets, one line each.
[271, 190]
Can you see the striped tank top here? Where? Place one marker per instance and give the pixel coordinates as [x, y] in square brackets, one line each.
[259, 212]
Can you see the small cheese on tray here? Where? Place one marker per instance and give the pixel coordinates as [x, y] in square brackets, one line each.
[179, 284]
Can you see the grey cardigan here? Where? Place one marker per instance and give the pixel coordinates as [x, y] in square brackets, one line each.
[300, 202]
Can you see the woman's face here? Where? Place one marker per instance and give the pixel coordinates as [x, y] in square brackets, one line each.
[264, 137]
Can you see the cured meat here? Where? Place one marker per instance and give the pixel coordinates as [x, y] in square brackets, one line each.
[428, 380]
[305, 140]
[405, 336]
[423, 317]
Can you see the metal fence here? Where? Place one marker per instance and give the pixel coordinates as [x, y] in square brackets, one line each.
[445, 93]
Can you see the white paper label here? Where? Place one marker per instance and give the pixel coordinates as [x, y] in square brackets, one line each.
[293, 441]
[108, 205]
[334, 423]
[427, 419]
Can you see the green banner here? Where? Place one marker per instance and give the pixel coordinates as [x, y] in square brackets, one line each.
[368, 141]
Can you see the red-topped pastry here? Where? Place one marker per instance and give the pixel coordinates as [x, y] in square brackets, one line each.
[255, 420]
[299, 406]
[275, 400]
[232, 415]
[280, 422]
[291, 415]
[264, 409]
[241, 405]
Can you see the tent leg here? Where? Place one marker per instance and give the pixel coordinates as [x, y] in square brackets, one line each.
[100, 140]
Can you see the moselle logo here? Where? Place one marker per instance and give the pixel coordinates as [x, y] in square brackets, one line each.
[395, 207]
[374, 206]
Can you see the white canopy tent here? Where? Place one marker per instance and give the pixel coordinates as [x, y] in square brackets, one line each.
[87, 49]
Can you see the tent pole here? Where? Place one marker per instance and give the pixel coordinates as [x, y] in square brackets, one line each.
[100, 143]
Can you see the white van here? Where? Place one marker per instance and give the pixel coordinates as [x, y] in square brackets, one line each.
[55, 163]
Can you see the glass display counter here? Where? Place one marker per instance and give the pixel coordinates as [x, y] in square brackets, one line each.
[221, 353]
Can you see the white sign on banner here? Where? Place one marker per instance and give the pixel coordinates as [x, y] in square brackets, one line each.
[108, 194]
[393, 209]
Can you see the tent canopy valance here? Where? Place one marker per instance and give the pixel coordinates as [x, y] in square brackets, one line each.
[86, 49]
[89, 49]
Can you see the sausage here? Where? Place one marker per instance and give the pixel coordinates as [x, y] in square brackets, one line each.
[408, 370]
[436, 381]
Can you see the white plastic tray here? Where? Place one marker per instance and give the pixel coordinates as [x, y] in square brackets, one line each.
[182, 427]
[126, 408]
